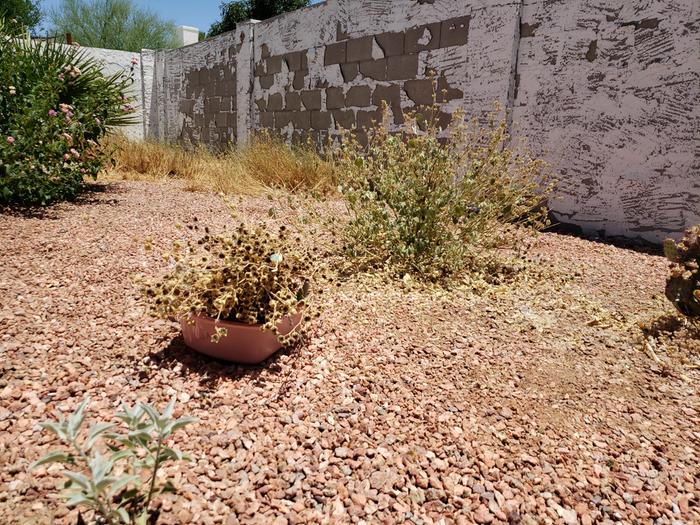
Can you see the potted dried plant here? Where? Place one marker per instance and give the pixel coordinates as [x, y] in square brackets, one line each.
[238, 297]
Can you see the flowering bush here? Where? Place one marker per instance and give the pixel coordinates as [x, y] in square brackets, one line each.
[55, 105]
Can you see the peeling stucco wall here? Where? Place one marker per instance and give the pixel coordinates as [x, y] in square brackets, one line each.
[607, 91]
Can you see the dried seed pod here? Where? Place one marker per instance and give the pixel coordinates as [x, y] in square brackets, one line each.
[683, 282]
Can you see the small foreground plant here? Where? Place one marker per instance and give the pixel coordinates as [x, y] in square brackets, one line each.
[247, 276]
[118, 476]
[683, 283]
[431, 202]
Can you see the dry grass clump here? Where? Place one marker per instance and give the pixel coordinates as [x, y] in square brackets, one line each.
[266, 162]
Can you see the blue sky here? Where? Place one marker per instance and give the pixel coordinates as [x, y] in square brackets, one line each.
[198, 13]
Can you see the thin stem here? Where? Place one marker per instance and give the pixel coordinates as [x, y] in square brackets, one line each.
[105, 512]
[156, 465]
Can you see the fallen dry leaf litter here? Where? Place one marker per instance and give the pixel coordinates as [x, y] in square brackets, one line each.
[529, 402]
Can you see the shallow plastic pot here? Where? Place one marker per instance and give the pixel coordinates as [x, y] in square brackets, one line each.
[243, 343]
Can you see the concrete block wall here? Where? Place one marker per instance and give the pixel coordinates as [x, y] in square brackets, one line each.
[112, 62]
[194, 92]
[334, 64]
[607, 91]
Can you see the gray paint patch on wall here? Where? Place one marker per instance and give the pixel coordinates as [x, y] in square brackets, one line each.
[609, 95]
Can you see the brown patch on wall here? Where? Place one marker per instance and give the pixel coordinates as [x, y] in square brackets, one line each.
[321, 120]
[445, 92]
[300, 79]
[344, 119]
[335, 98]
[389, 93]
[293, 101]
[592, 52]
[374, 69]
[359, 96]
[423, 38]
[349, 71]
[311, 99]
[368, 119]
[528, 30]
[392, 44]
[335, 54]
[455, 32]
[421, 92]
[274, 102]
[402, 67]
[360, 49]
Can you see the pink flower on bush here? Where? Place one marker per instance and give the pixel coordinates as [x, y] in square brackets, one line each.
[75, 153]
[10, 140]
[13, 90]
[66, 156]
[134, 61]
[68, 137]
[98, 121]
[52, 113]
[60, 76]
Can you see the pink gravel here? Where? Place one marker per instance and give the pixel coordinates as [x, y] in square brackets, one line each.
[532, 402]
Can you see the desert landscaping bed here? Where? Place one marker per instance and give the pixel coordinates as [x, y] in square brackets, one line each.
[529, 401]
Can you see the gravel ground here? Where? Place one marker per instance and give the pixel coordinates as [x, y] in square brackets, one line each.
[533, 402]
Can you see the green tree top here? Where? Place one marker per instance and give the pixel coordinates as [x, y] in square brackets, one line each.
[240, 10]
[112, 24]
[25, 12]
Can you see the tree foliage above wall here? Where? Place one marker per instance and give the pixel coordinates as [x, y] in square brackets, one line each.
[112, 24]
[238, 11]
[25, 13]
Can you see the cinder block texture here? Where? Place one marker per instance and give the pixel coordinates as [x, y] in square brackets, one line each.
[608, 95]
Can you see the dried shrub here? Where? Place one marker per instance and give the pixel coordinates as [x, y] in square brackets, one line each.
[432, 202]
[247, 276]
[683, 283]
[266, 162]
[269, 160]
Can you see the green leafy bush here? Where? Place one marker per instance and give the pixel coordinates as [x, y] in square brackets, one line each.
[117, 482]
[683, 283]
[55, 105]
[431, 202]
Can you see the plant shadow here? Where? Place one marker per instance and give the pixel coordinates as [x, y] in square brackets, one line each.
[94, 193]
[210, 371]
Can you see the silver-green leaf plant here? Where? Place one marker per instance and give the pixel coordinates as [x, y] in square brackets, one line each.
[116, 474]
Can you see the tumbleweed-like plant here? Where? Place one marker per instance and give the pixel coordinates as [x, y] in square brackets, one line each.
[247, 276]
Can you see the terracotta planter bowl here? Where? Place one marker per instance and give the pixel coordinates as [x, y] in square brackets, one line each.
[243, 343]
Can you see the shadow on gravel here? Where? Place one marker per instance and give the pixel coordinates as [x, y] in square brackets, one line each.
[210, 372]
[637, 245]
[95, 193]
